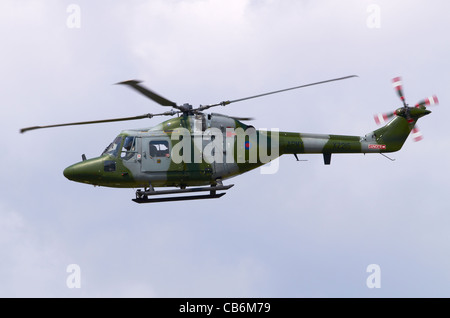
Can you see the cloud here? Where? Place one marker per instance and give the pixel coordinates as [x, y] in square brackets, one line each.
[308, 230]
[30, 259]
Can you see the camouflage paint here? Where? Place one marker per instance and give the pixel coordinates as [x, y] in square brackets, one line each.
[114, 171]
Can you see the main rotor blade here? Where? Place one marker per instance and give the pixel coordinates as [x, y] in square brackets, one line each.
[148, 93]
[279, 91]
[242, 118]
[96, 121]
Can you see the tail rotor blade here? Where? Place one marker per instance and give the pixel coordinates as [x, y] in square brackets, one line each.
[429, 101]
[398, 86]
[416, 134]
[382, 118]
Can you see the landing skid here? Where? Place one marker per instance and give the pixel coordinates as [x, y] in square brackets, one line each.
[143, 196]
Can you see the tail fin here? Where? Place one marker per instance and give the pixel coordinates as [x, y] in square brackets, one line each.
[393, 135]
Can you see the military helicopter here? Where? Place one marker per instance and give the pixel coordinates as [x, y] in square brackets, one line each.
[194, 151]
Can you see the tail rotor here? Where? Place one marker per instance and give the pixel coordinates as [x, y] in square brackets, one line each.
[411, 114]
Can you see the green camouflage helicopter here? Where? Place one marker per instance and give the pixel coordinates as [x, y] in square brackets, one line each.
[195, 152]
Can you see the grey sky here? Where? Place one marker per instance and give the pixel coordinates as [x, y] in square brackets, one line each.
[307, 231]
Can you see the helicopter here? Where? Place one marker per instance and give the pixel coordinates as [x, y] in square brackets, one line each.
[195, 151]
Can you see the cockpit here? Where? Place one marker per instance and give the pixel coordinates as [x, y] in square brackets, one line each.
[128, 148]
[113, 147]
[127, 151]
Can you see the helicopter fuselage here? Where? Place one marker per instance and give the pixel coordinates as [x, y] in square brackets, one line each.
[199, 150]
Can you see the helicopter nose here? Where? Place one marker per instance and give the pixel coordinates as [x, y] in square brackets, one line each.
[69, 173]
[87, 171]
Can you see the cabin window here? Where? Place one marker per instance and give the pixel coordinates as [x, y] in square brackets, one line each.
[159, 148]
[128, 148]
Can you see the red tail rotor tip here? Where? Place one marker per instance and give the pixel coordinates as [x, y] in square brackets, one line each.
[416, 134]
[380, 118]
[434, 100]
[397, 83]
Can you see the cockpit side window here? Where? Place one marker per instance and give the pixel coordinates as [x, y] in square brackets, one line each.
[128, 148]
[159, 148]
[113, 147]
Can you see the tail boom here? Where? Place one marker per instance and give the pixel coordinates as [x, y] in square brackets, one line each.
[389, 138]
